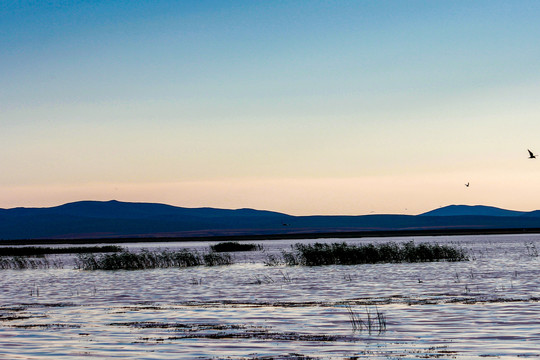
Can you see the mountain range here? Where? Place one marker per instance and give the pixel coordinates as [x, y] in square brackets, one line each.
[115, 219]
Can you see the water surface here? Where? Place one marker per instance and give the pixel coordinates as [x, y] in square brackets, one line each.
[483, 308]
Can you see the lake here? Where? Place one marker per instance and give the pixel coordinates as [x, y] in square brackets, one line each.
[483, 308]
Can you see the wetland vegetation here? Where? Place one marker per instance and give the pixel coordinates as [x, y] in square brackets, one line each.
[390, 252]
[233, 246]
[127, 260]
[342, 253]
[117, 258]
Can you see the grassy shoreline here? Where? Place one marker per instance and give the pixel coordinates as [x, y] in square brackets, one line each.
[282, 236]
[42, 251]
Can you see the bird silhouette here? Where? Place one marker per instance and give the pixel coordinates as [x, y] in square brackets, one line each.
[531, 155]
[467, 184]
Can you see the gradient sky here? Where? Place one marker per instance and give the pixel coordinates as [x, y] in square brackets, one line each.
[303, 107]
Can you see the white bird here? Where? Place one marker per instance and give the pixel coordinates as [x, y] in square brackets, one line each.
[531, 155]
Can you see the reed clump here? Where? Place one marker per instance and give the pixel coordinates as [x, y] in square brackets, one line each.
[232, 246]
[344, 254]
[145, 259]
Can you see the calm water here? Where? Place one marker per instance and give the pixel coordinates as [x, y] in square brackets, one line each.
[484, 308]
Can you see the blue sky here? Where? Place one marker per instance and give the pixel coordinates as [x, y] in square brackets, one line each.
[305, 107]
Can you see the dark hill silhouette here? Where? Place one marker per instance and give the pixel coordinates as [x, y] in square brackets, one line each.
[115, 219]
[114, 209]
[534, 213]
[475, 210]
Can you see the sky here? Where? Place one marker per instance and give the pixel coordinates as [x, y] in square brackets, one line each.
[303, 107]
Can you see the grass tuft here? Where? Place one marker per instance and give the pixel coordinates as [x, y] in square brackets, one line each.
[373, 322]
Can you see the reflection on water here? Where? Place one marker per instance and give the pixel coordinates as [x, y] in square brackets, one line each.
[486, 307]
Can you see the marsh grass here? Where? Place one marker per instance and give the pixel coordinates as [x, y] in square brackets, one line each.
[41, 251]
[25, 262]
[35, 257]
[285, 276]
[216, 259]
[263, 279]
[373, 321]
[272, 260]
[532, 251]
[145, 259]
[344, 254]
[232, 246]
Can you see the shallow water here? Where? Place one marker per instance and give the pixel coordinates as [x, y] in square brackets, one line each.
[486, 307]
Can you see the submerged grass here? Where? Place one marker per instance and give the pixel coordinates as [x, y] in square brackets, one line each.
[344, 254]
[145, 259]
[231, 246]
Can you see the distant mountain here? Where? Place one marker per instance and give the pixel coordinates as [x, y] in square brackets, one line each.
[476, 210]
[115, 219]
[85, 219]
[535, 213]
[128, 210]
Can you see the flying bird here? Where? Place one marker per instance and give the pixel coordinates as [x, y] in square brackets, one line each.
[467, 184]
[531, 155]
